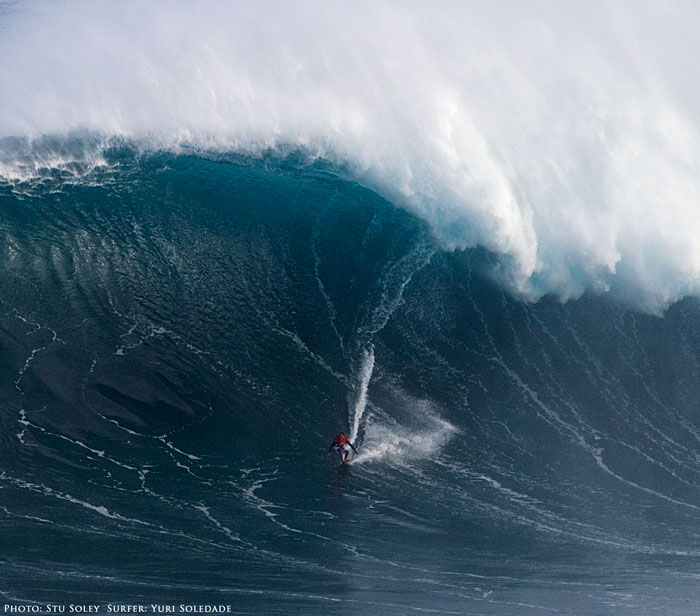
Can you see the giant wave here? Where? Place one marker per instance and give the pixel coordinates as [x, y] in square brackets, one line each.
[232, 231]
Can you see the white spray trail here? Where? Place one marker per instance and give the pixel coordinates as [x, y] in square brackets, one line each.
[393, 284]
[357, 409]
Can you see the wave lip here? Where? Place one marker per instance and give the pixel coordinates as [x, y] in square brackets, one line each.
[583, 176]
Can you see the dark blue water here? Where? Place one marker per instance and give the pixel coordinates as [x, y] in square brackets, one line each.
[181, 337]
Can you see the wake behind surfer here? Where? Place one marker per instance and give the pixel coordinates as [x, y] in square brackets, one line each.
[341, 444]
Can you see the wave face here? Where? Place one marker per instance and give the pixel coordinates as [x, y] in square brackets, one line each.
[562, 138]
[182, 336]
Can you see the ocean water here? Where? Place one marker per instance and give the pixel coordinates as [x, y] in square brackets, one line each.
[229, 232]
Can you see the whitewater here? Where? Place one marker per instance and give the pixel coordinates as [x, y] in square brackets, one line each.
[563, 138]
[466, 235]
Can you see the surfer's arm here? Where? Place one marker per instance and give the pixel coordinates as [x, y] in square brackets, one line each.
[353, 448]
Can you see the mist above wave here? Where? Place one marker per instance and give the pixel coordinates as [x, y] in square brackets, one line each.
[563, 138]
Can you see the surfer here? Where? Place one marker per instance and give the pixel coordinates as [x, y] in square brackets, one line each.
[340, 445]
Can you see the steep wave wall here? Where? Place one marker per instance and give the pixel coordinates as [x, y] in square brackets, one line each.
[182, 336]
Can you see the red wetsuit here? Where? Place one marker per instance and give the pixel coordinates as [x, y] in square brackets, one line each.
[340, 440]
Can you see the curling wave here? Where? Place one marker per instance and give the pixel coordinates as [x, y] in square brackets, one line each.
[562, 138]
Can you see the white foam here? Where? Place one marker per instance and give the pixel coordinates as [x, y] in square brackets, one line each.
[563, 136]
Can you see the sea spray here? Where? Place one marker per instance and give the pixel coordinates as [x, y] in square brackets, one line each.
[413, 430]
